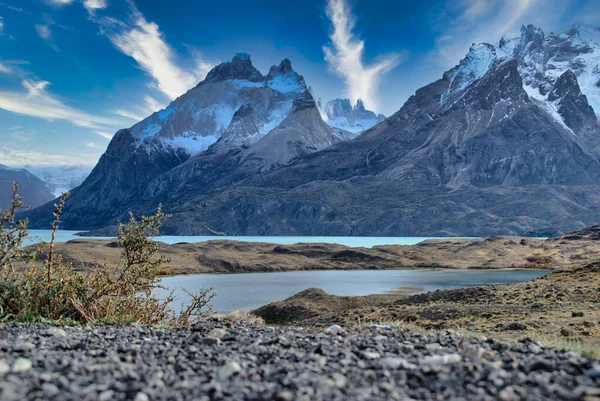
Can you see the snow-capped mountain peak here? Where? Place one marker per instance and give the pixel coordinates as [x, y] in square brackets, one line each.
[284, 79]
[340, 113]
[555, 69]
[198, 118]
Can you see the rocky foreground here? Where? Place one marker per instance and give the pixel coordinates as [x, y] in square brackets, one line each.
[219, 360]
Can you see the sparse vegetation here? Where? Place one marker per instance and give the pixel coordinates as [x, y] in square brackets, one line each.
[52, 290]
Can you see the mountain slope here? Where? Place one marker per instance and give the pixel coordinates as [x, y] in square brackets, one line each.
[474, 153]
[236, 116]
[507, 142]
[33, 190]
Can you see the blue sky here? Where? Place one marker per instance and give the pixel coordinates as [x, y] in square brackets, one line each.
[74, 71]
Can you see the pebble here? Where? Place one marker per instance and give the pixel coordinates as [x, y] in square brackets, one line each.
[141, 397]
[217, 333]
[283, 363]
[228, 370]
[211, 341]
[334, 329]
[441, 359]
[4, 367]
[396, 363]
[22, 365]
[56, 332]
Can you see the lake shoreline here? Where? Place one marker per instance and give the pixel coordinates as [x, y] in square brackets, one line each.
[227, 256]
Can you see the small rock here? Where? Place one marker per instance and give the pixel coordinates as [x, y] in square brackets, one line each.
[540, 364]
[228, 370]
[211, 341]
[55, 332]
[334, 329]
[594, 372]
[514, 326]
[217, 333]
[49, 389]
[441, 359]
[371, 355]
[576, 314]
[285, 396]
[107, 395]
[4, 367]
[566, 332]
[24, 347]
[141, 397]
[22, 365]
[396, 363]
[381, 327]
[193, 349]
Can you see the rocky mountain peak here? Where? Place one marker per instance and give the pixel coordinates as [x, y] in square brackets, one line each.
[341, 114]
[532, 35]
[359, 105]
[240, 67]
[284, 79]
[283, 68]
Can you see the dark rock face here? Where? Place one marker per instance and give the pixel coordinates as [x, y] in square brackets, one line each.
[239, 68]
[34, 191]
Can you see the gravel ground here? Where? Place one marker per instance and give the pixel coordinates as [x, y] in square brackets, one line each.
[240, 361]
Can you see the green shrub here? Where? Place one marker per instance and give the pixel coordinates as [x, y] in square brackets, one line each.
[53, 290]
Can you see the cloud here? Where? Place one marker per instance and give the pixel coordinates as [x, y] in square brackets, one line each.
[345, 55]
[104, 135]
[18, 157]
[94, 4]
[151, 106]
[92, 145]
[129, 114]
[1, 26]
[37, 102]
[4, 69]
[144, 42]
[59, 2]
[44, 32]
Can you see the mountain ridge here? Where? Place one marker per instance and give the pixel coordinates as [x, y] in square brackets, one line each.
[474, 153]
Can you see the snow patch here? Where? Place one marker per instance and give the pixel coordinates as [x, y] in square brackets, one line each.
[550, 107]
[286, 83]
[192, 144]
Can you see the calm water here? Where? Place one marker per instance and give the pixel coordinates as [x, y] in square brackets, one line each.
[368, 242]
[250, 290]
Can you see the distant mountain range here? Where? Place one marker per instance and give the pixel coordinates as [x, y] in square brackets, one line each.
[506, 142]
[32, 190]
[341, 114]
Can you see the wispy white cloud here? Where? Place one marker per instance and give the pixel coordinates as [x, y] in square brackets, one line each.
[59, 2]
[37, 102]
[130, 114]
[145, 43]
[19, 157]
[1, 26]
[4, 69]
[345, 56]
[141, 111]
[43, 31]
[94, 4]
[104, 135]
[92, 145]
